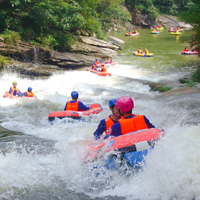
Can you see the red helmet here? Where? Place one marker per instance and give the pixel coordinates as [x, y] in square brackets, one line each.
[125, 104]
[102, 65]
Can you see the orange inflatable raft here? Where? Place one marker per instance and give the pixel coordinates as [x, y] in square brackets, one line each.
[132, 146]
[95, 109]
[99, 72]
[8, 95]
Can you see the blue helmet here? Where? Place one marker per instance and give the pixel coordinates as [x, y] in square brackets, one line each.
[95, 59]
[29, 89]
[74, 95]
[112, 102]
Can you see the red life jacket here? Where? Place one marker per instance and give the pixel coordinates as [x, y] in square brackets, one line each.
[30, 94]
[72, 106]
[13, 89]
[133, 124]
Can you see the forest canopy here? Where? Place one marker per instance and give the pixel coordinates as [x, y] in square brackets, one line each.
[55, 23]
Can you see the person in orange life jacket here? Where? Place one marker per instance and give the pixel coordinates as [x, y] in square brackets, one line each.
[129, 32]
[106, 123]
[109, 61]
[29, 92]
[94, 66]
[14, 90]
[140, 50]
[103, 69]
[131, 122]
[75, 105]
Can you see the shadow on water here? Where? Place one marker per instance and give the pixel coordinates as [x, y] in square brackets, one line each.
[30, 144]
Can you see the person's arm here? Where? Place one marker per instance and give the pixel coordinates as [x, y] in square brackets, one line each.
[19, 94]
[101, 128]
[81, 106]
[65, 107]
[116, 130]
[15, 92]
[148, 123]
[25, 94]
[10, 91]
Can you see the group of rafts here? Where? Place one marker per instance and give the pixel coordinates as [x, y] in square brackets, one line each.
[131, 148]
[156, 30]
[100, 68]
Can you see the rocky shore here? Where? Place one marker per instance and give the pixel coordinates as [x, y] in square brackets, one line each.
[34, 61]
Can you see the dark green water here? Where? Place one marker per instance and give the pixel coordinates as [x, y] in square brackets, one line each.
[165, 47]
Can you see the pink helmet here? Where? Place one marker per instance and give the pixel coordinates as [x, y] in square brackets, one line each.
[124, 104]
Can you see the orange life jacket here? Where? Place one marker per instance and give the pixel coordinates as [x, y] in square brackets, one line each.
[94, 66]
[103, 69]
[109, 123]
[30, 94]
[97, 62]
[109, 61]
[72, 106]
[133, 124]
[13, 89]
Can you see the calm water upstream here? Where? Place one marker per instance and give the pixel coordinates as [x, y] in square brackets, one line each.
[44, 161]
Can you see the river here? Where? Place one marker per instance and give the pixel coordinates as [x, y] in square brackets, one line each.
[44, 161]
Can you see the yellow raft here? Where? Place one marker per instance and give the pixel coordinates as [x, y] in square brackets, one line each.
[142, 54]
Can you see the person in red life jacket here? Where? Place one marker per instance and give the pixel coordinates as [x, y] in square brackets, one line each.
[14, 90]
[185, 49]
[106, 123]
[75, 105]
[103, 69]
[131, 122]
[29, 92]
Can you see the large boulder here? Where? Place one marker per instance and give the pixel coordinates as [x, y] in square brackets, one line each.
[84, 53]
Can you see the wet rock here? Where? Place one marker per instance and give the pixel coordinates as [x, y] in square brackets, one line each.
[171, 21]
[115, 40]
[33, 70]
[84, 53]
[179, 91]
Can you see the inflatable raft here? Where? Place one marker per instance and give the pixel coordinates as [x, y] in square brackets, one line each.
[8, 95]
[176, 33]
[133, 147]
[142, 54]
[189, 52]
[95, 109]
[99, 72]
[132, 34]
[155, 32]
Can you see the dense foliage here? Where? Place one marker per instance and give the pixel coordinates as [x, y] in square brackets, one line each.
[192, 16]
[53, 23]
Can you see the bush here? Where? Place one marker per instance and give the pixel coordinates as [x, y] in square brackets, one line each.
[11, 38]
[196, 75]
[3, 62]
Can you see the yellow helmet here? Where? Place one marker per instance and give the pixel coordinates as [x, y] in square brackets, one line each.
[14, 82]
